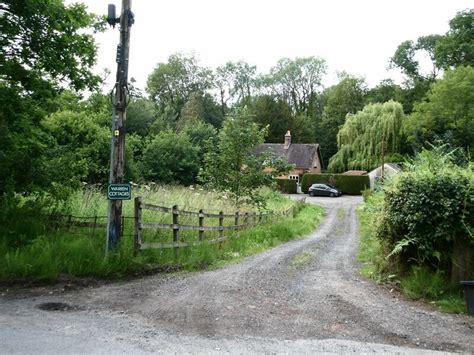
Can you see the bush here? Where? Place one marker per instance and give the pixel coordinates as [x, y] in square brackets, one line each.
[427, 211]
[349, 184]
[286, 186]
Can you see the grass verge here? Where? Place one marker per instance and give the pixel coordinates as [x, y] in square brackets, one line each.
[45, 257]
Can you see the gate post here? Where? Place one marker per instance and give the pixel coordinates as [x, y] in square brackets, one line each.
[138, 222]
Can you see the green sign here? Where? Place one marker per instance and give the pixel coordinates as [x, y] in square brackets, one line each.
[119, 192]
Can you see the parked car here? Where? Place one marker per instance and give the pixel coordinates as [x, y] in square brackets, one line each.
[324, 190]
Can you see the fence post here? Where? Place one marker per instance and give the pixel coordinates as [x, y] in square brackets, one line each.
[221, 224]
[93, 226]
[246, 219]
[236, 222]
[259, 218]
[175, 223]
[201, 224]
[122, 226]
[254, 215]
[138, 221]
[69, 222]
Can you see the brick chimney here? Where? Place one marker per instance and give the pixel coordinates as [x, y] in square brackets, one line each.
[287, 140]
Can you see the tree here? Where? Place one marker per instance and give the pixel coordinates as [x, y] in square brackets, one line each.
[362, 136]
[45, 45]
[273, 113]
[170, 157]
[385, 91]
[457, 46]
[447, 113]
[171, 84]
[45, 41]
[405, 57]
[141, 113]
[235, 81]
[344, 98]
[81, 150]
[200, 107]
[297, 81]
[232, 167]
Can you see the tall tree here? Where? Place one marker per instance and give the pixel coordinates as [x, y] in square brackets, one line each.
[406, 58]
[344, 98]
[45, 45]
[457, 46]
[45, 41]
[232, 167]
[361, 138]
[236, 82]
[274, 113]
[447, 113]
[297, 81]
[171, 84]
[170, 157]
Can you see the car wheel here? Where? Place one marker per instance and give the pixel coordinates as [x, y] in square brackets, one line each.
[311, 193]
[332, 194]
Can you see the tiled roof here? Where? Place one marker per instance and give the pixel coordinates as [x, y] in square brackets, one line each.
[302, 155]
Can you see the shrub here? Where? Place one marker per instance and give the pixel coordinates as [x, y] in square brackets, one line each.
[427, 210]
[349, 184]
[286, 186]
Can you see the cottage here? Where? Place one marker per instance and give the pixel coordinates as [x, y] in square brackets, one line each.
[305, 157]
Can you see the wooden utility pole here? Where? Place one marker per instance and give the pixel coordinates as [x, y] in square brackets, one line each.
[383, 157]
[120, 101]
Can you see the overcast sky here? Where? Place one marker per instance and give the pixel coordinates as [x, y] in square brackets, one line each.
[356, 36]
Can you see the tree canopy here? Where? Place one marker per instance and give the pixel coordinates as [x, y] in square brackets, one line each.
[362, 136]
[447, 113]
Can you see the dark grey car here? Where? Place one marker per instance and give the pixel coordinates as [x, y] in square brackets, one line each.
[324, 190]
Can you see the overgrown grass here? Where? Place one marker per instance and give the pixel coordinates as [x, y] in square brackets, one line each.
[419, 283]
[46, 256]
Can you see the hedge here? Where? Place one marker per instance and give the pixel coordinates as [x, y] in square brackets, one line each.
[349, 184]
[286, 186]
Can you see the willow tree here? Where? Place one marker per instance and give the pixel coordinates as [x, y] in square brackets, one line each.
[363, 136]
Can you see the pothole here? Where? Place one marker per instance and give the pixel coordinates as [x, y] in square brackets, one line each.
[56, 306]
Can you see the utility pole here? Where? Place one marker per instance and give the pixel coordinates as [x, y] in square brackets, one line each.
[383, 157]
[119, 116]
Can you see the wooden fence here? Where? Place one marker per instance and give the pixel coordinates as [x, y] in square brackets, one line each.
[239, 221]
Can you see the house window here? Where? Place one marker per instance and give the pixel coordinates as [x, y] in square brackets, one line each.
[295, 177]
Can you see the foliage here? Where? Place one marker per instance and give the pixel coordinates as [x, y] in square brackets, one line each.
[170, 158]
[418, 282]
[405, 57]
[141, 113]
[171, 84]
[349, 184]
[274, 113]
[456, 48]
[52, 252]
[286, 186]
[44, 45]
[427, 209]
[296, 81]
[232, 167]
[81, 148]
[447, 113]
[341, 99]
[361, 138]
[46, 42]
[235, 81]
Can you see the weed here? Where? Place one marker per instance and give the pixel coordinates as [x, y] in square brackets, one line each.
[301, 260]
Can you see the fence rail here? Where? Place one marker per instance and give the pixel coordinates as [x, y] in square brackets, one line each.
[239, 220]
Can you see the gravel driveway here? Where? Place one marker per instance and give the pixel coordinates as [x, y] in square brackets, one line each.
[304, 296]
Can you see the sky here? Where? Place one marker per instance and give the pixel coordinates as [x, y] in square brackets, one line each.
[356, 36]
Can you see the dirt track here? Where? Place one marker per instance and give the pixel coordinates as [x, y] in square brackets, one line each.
[289, 299]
